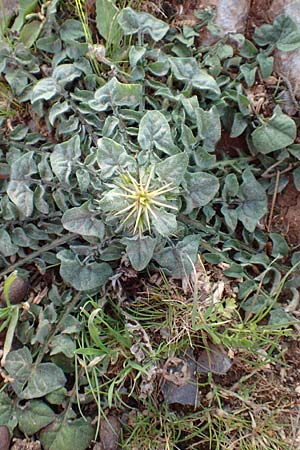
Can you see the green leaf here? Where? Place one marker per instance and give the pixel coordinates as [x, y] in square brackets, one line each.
[114, 94]
[45, 378]
[19, 132]
[83, 221]
[63, 344]
[249, 72]
[31, 381]
[296, 178]
[265, 64]
[20, 180]
[172, 169]
[67, 435]
[140, 250]
[203, 159]
[282, 28]
[136, 54]
[239, 125]
[82, 276]
[290, 42]
[231, 187]
[25, 7]
[57, 397]
[39, 200]
[179, 260]
[133, 22]
[6, 246]
[30, 32]
[280, 247]
[230, 216]
[71, 30]
[18, 81]
[248, 50]
[106, 20]
[35, 416]
[50, 44]
[201, 189]
[209, 127]
[255, 304]
[44, 89]
[280, 318]
[66, 73]
[164, 223]
[19, 363]
[8, 414]
[58, 109]
[112, 157]
[64, 157]
[188, 70]
[154, 132]
[253, 201]
[277, 133]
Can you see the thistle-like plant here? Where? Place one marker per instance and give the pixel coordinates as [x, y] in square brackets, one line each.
[139, 204]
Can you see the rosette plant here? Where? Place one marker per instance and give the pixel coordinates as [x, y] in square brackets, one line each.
[129, 161]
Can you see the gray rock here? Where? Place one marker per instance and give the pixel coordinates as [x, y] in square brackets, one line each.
[8, 8]
[288, 63]
[230, 16]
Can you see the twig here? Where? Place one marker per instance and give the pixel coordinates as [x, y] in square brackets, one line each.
[69, 307]
[266, 174]
[273, 200]
[291, 91]
[45, 248]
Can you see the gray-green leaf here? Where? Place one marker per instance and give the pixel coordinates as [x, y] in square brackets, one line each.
[64, 344]
[32, 381]
[64, 158]
[164, 223]
[115, 93]
[188, 70]
[82, 276]
[133, 22]
[8, 414]
[67, 435]
[44, 89]
[112, 157]
[82, 221]
[7, 248]
[34, 416]
[140, 250]
[57, 109]
[253, 201]
[106, 20]
[201, 187]
[179, 260]
[154, 132]
[20, 180]
[278, 132]
[209, 127]
[172, 169]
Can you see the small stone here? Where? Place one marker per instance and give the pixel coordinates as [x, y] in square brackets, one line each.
[297, 389]
[17, 291]
[110, 430]
[4, 438]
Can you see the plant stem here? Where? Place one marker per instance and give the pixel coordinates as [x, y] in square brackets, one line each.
[62, 240]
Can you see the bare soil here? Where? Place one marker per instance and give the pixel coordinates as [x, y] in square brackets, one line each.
[287, 214]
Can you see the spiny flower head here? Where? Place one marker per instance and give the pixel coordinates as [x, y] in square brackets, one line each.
[138, 201]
